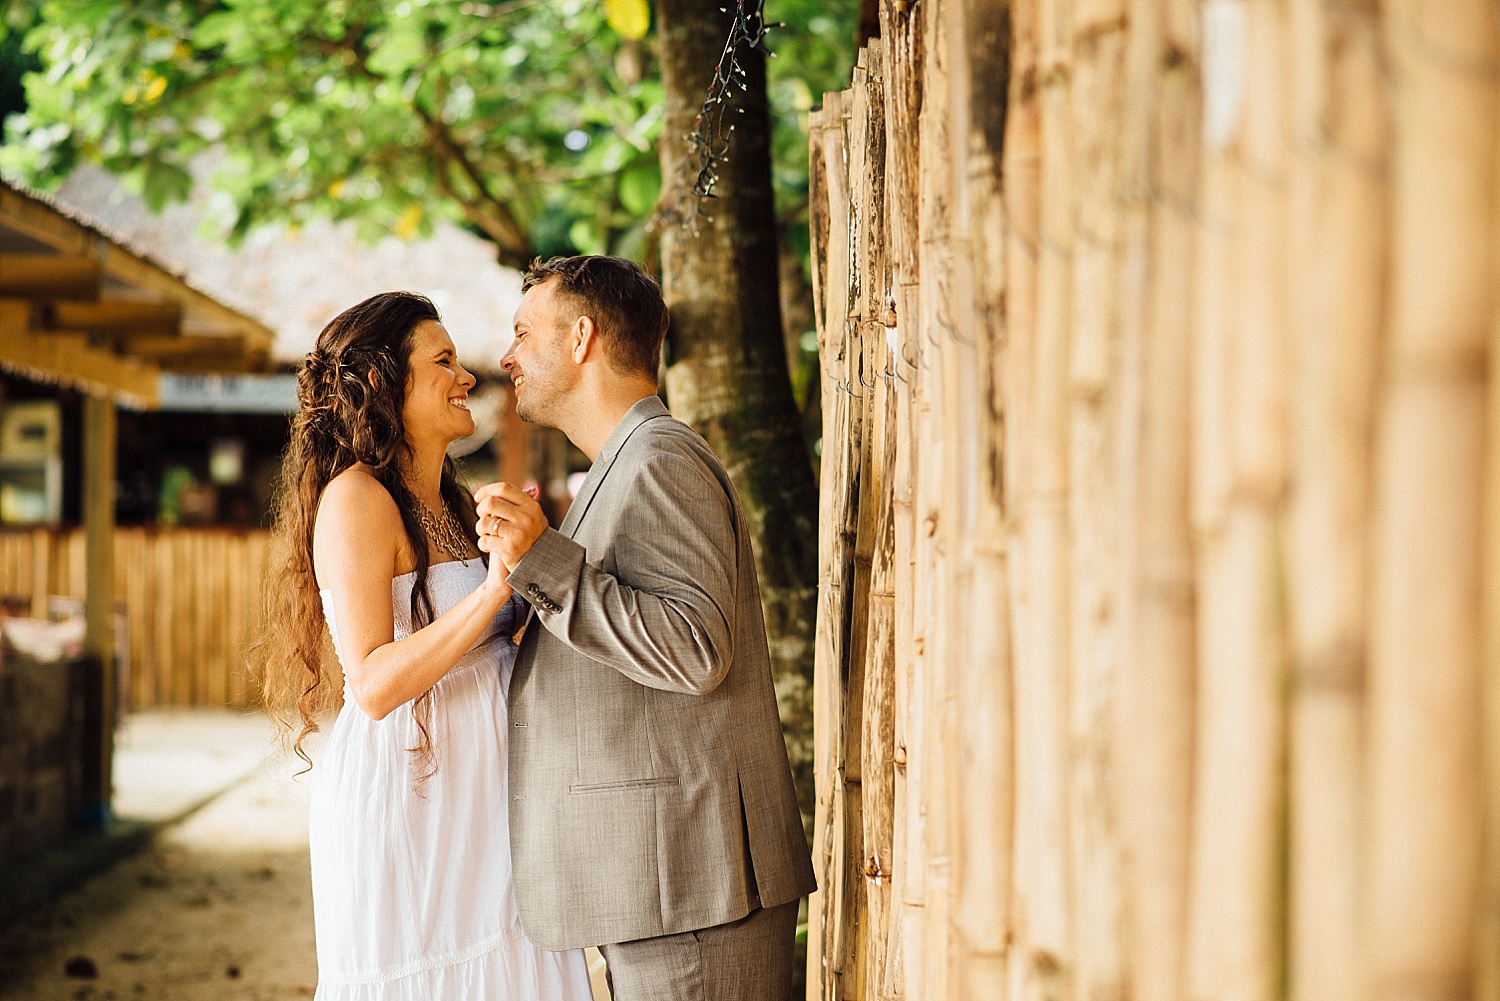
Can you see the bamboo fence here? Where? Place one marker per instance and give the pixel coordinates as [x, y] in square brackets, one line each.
[1159, 620]
[191, 601]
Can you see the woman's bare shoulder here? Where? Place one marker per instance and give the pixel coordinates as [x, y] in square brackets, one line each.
[356, 497]
[357, 525]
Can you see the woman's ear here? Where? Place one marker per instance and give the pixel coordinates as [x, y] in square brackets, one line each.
[374, 379]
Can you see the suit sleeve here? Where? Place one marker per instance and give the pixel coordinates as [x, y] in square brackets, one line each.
[667, 620]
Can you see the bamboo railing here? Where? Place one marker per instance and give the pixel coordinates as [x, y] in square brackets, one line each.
[1159, 624]
[191, 601]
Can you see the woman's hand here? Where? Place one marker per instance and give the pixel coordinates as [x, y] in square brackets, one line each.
[356, 544]
[510, 520]
[494, 580]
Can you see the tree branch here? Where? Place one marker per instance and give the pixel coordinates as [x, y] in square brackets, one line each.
[496, 219]
[491, 214]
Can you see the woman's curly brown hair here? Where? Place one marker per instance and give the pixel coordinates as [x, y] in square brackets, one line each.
[351, 390]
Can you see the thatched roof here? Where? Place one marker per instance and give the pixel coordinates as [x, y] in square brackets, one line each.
[85, 305]
[294, 281]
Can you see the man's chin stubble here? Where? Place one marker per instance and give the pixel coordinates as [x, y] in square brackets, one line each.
[531, 416]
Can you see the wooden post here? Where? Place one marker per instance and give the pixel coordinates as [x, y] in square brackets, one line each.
[99, 536]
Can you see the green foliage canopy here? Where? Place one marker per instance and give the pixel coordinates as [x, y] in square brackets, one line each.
[533, 122]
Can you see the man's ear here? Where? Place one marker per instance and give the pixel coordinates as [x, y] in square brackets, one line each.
[585, 334]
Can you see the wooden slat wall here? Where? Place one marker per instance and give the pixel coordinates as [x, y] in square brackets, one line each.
[1159, 625]
[192, 600]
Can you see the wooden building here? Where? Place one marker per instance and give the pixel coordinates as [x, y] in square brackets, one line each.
[84, 315]
[1159, 627]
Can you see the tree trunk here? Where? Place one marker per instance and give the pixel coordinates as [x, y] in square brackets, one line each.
[727, 373]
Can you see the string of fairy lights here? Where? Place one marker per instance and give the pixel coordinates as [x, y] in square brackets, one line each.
[714, 127]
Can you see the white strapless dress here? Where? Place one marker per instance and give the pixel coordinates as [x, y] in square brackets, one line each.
[413, 897]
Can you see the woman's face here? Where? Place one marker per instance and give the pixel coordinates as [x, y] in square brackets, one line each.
[437, 388]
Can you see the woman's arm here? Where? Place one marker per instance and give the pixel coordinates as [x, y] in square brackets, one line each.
[357, 541]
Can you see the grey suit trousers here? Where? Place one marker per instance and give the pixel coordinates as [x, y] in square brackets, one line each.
[745, 960]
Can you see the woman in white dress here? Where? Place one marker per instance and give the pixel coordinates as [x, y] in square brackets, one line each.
[412, 889]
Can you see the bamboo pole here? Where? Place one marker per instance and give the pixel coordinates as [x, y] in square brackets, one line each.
[1153, 779]
[1098, 35]
[1021, 194]
[1487, 930]
[1238, 843]
[841, 952]
[874, 736]
[835, 510]
[1338, 195]
[240, 588]
[1041, 918]
[866, 158]
[1422, 766]
[976, 369]
[41, 566]
[901, 38]
[934, 225]
[138, 604]
[975, 796]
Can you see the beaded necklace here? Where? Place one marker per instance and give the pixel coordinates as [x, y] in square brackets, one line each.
[444, 532]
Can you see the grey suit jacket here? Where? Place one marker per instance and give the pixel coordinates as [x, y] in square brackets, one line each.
[650, 790]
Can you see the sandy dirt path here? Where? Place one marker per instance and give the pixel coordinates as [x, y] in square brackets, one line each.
[219, 907]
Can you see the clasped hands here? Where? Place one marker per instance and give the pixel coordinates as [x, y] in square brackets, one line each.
[510, 522]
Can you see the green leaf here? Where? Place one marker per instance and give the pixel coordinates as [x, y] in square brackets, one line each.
[218, 28]
[585, 236]
[163, 183]
[401, 50]
[630, 18]
[93, 14]
[640, 187]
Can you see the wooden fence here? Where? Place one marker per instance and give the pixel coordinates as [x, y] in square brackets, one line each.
[1159, 625]
[191, 600]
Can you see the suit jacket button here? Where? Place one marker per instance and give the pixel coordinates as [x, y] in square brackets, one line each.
[532, 589]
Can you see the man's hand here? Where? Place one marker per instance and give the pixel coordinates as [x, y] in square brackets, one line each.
[510, 521]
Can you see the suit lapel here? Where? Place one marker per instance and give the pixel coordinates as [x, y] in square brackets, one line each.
[637, 415]
[645, 410]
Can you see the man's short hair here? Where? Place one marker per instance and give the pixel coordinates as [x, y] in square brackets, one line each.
[622, 299]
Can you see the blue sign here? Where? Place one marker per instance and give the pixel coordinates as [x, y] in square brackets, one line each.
[229, 394]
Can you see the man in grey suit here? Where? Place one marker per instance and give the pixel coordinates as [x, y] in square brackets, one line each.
[652, 812]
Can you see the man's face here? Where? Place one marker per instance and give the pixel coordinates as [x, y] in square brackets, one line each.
[538, 361]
